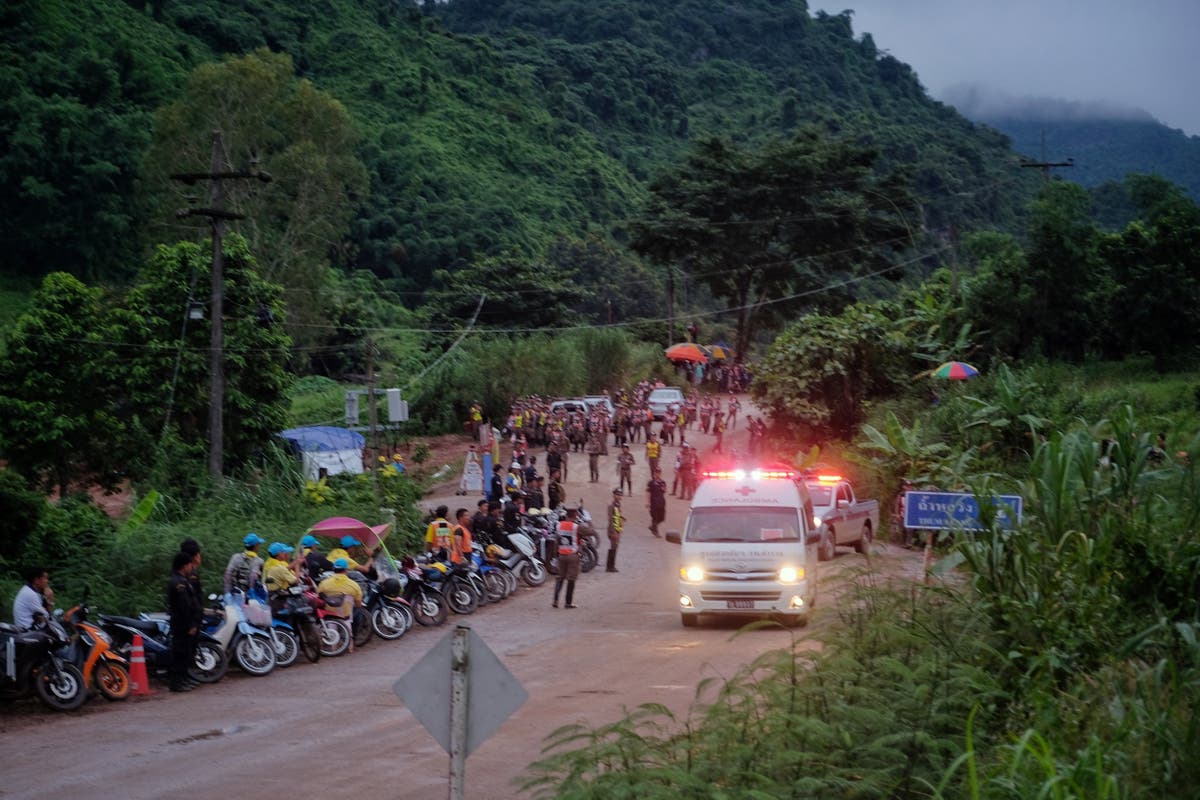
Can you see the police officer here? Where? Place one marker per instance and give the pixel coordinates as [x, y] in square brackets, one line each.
[616, 522]
[186, 614]
[568, 556]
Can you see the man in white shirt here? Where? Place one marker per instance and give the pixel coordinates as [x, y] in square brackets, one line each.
[35, 599]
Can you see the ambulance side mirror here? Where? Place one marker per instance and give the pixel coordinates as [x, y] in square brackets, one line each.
[673, 537]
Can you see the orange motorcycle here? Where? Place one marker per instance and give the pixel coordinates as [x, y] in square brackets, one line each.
[102, 668]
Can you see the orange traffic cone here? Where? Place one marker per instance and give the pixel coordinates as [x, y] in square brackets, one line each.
[138, 679]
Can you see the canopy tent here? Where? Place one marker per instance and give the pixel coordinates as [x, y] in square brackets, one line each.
[337, 527]
[336, 450]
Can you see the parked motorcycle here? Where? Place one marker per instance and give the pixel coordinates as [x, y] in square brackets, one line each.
[391, 615]
[208, 666]
[428, 606]
[249, 645]
[92, 652]
[528, 566]
[33, 664]
[295, 609]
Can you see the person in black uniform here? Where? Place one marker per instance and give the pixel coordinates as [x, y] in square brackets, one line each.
[186, 614]
[656, 493]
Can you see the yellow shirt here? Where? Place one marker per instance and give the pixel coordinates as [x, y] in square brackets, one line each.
[338, 552]
[341, 583]
[278, 575]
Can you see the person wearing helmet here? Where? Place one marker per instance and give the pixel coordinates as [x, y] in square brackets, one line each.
[280, 572]
[315, 562]
[342, 594]
[244, 570]
[342, 552]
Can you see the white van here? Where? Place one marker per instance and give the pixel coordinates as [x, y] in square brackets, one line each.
[748, 547]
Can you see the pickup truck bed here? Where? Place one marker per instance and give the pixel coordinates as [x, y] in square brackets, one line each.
[842, 519]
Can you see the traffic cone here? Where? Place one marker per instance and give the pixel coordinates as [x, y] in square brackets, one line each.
[139, 680]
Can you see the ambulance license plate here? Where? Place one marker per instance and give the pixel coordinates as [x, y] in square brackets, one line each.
[739, 604]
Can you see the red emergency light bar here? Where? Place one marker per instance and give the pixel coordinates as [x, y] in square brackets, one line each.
[829, 479]
[752, 474]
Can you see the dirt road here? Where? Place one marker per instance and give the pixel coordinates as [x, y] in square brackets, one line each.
[335, 728]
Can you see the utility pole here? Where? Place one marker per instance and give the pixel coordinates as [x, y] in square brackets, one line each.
[1045, 165]
[218, 172]
[670, 304]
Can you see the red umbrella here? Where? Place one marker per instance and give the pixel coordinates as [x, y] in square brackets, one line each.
[337, 527]
[688, 351]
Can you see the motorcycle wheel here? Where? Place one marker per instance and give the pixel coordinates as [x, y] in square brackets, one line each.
[112, 680]
[310, 640]
[510, 578]
[587, 559]
[497, 587]
[388, 622]
[255, 655]
[361, 628]
[534, 573]
[209, 664]
[335, 637]
[460, 598]
[287, 647]
[429, 609]
[61, 688]
[477, 586]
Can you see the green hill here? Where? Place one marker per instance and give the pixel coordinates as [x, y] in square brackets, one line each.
[485, 128]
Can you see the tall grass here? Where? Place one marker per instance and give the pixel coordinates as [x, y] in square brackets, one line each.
[1065, 665]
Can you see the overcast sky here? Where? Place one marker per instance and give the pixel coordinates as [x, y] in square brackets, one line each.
[1140, 54]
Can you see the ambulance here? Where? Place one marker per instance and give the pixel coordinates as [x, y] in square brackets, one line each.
[748, 547]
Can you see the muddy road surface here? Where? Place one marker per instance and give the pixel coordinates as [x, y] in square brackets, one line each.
[335, 728]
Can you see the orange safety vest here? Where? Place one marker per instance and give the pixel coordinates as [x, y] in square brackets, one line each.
[568, 538]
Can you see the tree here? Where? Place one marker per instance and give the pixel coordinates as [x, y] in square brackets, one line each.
[57, 425]
[300, 135]
[1155, 268]
[819, 373]
[517, 292]
[164, 383]
[774, 224]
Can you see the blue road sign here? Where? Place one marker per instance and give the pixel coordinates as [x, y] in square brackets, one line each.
[941, 511]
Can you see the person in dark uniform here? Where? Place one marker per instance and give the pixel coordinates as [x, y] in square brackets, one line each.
[496, 487]
[656, 492]
[616, 523]
[186, 615]
[567, 534]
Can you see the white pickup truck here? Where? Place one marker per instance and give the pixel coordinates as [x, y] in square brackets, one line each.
[839, 516]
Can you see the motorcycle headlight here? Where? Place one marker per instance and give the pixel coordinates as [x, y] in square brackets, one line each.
[692, 574]
[791, 574]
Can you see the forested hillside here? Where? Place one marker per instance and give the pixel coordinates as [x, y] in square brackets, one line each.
[522, 125]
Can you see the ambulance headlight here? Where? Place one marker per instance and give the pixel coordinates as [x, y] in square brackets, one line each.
[692, 574]
[791, 574]
[817, 521]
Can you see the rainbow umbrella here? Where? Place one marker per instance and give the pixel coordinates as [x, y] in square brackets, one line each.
[720, 352]
[955, 371]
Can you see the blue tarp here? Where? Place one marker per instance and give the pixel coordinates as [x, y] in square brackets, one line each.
[323, 439]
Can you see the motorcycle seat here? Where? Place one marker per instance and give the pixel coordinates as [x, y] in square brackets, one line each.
[8, 627]
[143, 625]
